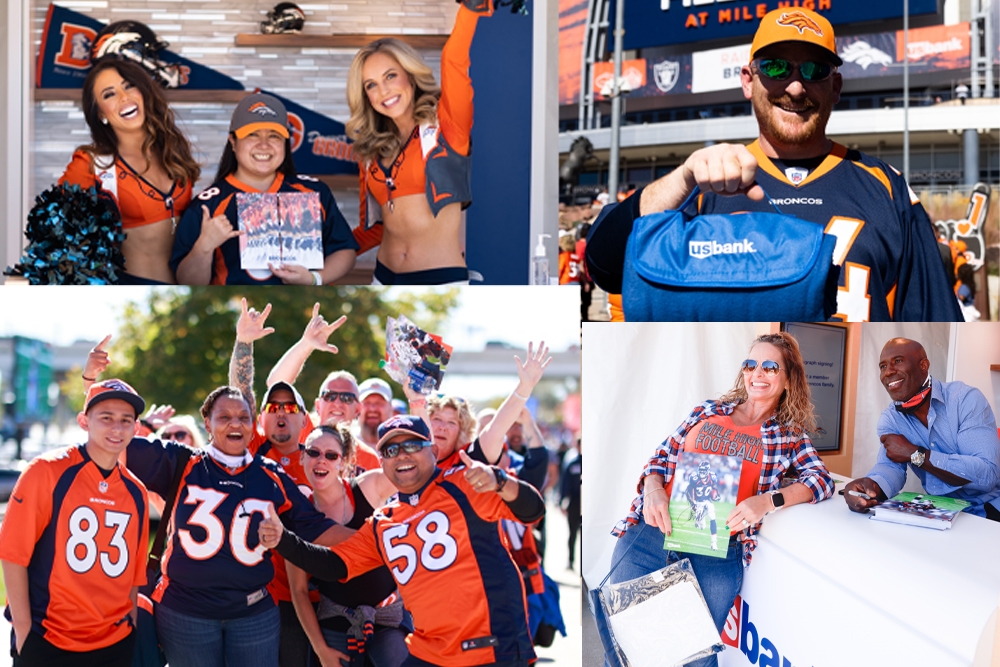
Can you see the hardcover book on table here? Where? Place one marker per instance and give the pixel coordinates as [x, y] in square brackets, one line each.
[920, 509]
[718, 468]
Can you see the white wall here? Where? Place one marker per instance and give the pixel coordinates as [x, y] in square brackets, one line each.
[13, 117]
[976, 346]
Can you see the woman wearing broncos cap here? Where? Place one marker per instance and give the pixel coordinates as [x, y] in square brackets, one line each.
[257, 159]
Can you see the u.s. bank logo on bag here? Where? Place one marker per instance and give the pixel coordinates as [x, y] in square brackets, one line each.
[704, 249]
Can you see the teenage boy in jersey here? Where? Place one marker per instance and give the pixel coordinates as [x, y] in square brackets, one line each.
[890, 267]
[74, 541]
[440, 540]
[944, 431]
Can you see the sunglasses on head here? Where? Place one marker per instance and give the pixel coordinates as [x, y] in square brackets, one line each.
[315, 453]
[392, 450]
[345, 397]
[769, 367]
[176, 435]
[780, 69]
[288, 408]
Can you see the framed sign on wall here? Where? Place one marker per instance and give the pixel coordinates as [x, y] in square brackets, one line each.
[823, 347]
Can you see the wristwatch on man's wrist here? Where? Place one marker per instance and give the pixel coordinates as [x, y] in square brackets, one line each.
[777, 500]
[918, 457]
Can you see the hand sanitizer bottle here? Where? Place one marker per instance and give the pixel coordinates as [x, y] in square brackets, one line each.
[540, 263]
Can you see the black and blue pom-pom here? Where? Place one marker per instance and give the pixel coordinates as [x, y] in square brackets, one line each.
[74, 238]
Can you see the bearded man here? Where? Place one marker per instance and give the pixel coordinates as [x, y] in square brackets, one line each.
[890, 268]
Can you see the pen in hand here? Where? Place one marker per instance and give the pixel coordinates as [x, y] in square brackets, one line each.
[856, 493]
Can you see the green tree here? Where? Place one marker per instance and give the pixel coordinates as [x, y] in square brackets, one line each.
[175, 348]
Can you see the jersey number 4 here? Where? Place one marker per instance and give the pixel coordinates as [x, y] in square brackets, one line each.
[853, 300]
[82, 552]
[437, 551]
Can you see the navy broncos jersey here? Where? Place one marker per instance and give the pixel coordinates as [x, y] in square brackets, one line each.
[703, 490]
[890, 267]
[220, 199]
[214, 565]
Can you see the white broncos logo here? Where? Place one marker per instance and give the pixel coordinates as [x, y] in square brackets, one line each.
[864, 54]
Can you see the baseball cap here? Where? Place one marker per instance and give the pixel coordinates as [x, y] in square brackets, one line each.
[795, 25]
[284, 385]
[259, 112]
[375, 386]
[407, 424]
[113, 388]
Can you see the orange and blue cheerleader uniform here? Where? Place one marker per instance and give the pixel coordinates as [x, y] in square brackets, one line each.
[434, 161]
[137, 201]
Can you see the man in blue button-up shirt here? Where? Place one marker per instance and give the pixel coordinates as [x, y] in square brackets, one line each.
[945, 431]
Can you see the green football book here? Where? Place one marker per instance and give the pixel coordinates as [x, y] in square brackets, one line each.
[703, 493]
[920, 509]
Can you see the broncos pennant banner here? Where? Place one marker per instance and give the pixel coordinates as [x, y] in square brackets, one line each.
[64, 56]
[319, 144]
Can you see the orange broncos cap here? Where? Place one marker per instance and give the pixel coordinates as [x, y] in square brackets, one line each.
[794, 24]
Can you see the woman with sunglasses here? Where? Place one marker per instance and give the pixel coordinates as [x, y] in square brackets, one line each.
[183, 429]
[336, 626]
[768, 404]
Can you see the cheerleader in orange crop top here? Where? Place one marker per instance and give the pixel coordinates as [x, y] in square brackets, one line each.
[412, 139]
[141, 161]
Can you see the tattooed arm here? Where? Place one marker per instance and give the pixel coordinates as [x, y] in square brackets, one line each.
[249, 327]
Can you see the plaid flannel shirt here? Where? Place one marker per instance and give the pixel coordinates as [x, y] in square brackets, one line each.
[783, 448]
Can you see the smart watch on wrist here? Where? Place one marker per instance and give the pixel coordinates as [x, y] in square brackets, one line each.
[777, 500]
[501, 476]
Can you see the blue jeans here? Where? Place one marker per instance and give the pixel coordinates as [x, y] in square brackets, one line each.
[720, 579]
[190, 641]
[386, 648]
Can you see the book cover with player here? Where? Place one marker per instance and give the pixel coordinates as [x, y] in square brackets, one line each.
[920, 509]
[718, 468]
[412, 355]
[282, 228]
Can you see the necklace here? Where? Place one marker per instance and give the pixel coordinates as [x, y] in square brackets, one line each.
[390, 174]
[346, 511]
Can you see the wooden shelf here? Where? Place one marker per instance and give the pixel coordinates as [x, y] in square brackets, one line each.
[73, 95]
[995, 367]
[339, 181]
[349, 41]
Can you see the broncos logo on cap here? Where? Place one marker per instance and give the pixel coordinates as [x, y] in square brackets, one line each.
[800, 21]
[116, 385]
[262, 109]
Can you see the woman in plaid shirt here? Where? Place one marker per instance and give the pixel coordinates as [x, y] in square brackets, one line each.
[770, 401]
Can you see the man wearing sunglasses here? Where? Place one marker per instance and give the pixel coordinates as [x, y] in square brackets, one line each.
[441, 542]
[338, 400]
[890, 267]
[944, 431]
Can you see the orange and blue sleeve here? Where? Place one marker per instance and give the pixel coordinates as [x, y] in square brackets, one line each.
[455, 105]
[80, 171]
[367, 238]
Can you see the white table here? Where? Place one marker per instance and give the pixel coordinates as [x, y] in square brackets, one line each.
[828, 587]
